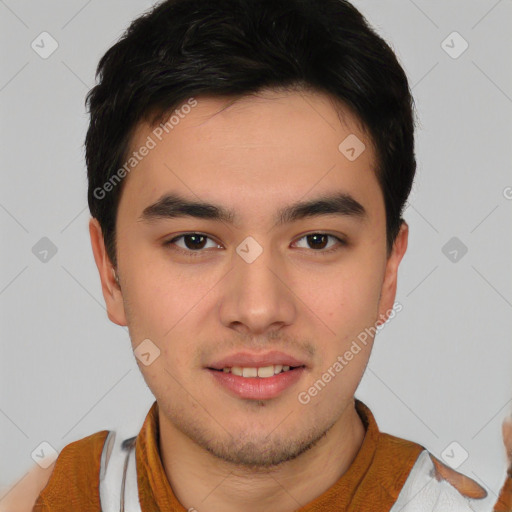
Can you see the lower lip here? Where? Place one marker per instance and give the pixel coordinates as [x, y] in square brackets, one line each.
[257, 388]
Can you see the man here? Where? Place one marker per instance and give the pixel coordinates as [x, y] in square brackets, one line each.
[248, 165]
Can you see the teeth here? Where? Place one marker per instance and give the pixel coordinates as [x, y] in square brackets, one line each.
[250, 372]
[265, 371]
[262, 372]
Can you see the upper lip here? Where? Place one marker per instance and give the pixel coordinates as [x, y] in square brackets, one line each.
[248, 360]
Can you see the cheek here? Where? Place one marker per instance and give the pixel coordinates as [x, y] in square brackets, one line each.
[163, 308]
[348, 298]
[156, 297]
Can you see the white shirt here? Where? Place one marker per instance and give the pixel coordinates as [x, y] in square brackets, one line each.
[421, 492]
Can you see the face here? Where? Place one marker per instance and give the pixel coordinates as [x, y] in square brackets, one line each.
[255, 282]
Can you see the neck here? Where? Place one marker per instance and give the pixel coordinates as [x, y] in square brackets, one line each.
[202, 481]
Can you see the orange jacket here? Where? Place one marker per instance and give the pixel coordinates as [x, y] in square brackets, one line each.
[372, 482]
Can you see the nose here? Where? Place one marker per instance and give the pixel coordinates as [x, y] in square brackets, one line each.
[258, 296]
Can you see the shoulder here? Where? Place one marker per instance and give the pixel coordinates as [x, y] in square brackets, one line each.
[76, 468]
[433, 486]
[420, 481]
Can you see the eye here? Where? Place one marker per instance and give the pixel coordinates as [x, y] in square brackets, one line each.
[319, 241]
[193, 243]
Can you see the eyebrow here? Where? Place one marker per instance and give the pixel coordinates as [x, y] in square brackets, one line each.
[172, 205]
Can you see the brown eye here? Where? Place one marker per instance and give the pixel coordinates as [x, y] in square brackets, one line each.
[319, 241]
[194, 241]
[190, 243]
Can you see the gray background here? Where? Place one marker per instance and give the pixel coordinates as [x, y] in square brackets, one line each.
[441, 370]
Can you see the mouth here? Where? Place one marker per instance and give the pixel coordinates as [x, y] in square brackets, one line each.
[262, 372]
[257, 376]
[249, 362]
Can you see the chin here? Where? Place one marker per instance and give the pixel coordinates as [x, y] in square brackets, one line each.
[261, 453]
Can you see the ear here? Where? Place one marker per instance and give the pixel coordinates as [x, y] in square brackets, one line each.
[109, 286]
[388, 291]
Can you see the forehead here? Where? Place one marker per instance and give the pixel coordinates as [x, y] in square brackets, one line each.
[253, 152]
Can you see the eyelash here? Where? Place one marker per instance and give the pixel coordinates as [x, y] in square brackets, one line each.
[189, 252]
